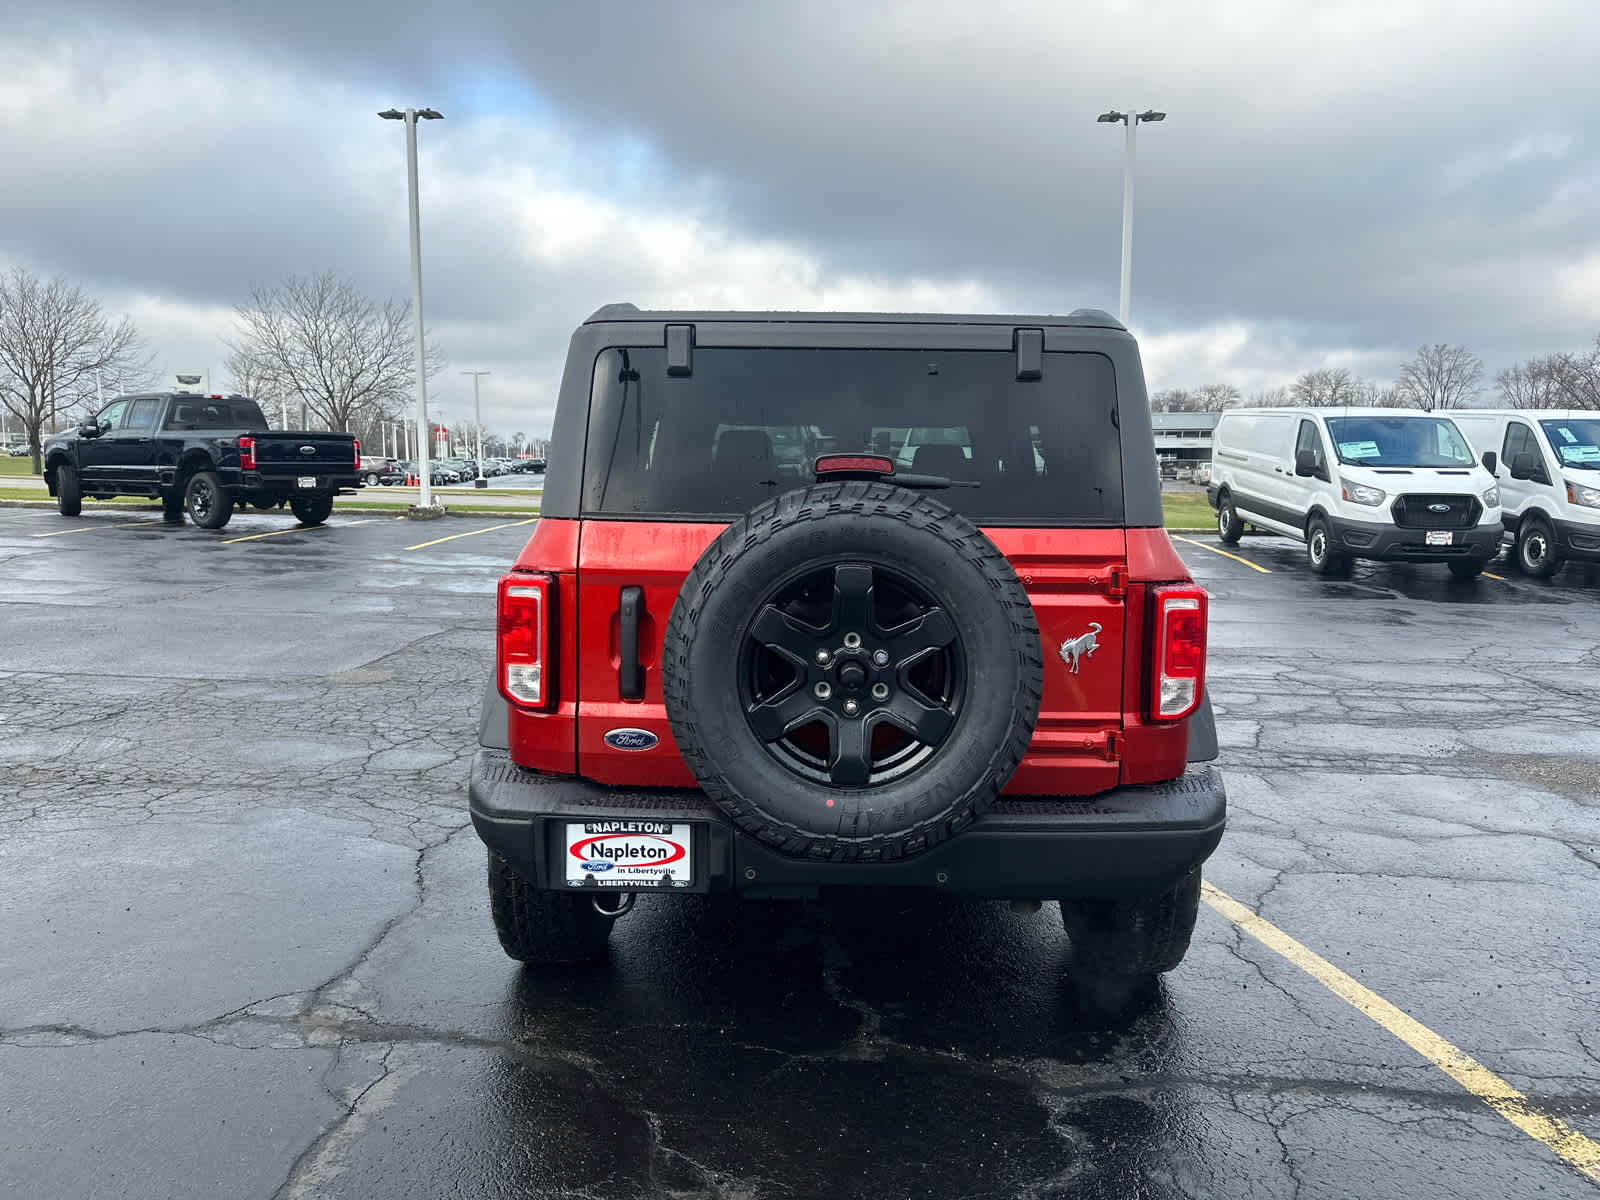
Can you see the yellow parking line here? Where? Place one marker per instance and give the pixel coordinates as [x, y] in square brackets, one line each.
[273, 533]
[471, 533]
[1490, 575]
[1175, 537]
[1572, 1146]
[92, 528]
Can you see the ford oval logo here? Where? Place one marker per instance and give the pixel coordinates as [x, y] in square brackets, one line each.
[631, 739]
[596, 865]
[1440, 508]
[308, 449]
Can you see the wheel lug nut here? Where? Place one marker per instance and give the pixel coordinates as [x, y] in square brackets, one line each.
[880, 658]
[851, 708]
[823, 690]
[823, 658]
[880, 691]
[852, 641]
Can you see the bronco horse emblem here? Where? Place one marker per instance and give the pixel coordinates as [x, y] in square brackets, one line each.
[1082, 646]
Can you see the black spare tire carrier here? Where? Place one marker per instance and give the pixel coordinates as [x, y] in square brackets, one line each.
[852, 672]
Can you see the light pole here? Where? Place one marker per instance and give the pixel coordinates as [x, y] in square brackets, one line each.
[411, 116]
[477, 419]
[1131, 120]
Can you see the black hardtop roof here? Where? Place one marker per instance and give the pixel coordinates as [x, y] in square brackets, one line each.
[1091, 318]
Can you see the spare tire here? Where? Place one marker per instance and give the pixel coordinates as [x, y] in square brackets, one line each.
[852, 672]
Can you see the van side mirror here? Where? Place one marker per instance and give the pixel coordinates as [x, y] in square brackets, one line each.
[1490, 461]
[1526, 466]
[1305, 463]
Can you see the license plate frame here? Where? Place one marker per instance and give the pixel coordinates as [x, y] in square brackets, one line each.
[306, 481]
[630, 854]
[1439, 537]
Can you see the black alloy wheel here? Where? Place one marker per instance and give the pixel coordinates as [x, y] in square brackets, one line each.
[851, 675]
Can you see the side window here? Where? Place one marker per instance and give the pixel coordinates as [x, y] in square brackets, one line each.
[1518, 441]
[111, 415]
[1311, 440]
[143, 413]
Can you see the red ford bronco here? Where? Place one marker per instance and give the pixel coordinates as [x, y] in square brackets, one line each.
[836, 601]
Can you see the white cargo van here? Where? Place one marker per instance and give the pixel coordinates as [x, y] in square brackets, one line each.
[1551, 500]
[1376, 483]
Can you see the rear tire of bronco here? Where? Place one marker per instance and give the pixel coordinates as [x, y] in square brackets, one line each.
[1132, 940]
[1229, 528]
[312, 510]
[69, 495]
[852, 671]
[208, 505]
[544, 928]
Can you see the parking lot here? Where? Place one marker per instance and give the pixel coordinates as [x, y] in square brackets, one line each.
[247, 949]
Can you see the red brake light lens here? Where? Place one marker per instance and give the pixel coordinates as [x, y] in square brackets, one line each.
[523, 640]
[247, 453]
[358, 454]
[1179, 668]
[831, 463]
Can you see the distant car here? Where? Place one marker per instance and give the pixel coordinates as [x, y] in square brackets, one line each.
[19, 451]
[384, 471]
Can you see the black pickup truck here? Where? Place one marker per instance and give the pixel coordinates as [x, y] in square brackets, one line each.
[204, 455]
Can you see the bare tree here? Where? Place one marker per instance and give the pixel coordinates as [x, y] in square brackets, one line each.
[1268, 398]
[53, 338]
[1171, 400]
[1530, 384]
[319, 341]
[1215, 397]
[1440, 376]
[1326, 387]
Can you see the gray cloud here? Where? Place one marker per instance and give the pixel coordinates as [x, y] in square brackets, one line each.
[1358, 177]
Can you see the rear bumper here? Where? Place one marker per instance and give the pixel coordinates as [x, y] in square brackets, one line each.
[1390, 543]
[289, 485]
[1126, 842]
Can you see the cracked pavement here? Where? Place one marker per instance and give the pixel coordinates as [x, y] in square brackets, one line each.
[246, 949]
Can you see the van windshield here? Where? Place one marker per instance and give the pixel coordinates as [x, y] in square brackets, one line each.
[1576, 443]
[1399, 442]
[749, 423]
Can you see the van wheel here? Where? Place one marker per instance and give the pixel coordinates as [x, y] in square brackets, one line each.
[1319, 550]
[1229, 528]
[69, 495]
[1536, 548]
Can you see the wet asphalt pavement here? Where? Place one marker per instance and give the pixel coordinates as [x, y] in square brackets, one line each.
[245, 948]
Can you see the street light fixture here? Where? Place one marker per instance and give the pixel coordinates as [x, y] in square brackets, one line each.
[1131, 120]
[411, 116]
[477, 419]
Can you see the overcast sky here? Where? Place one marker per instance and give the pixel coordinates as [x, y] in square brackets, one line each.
[1335, 184]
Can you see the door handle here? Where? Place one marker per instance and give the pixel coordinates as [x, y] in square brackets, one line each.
[630, 676]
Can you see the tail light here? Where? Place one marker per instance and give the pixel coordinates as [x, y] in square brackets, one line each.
[358, 454]
[854, 464]
[1178, 667]
[247, 453]
[523, 642]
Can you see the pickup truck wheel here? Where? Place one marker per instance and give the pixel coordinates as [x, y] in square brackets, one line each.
[852, 671]
[372, 479]
[312, 510]
[208, 505]
[69, 495]
[1132, 940]
[544, 928]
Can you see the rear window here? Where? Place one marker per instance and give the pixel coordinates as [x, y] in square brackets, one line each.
[749, 424]
[205, 413]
